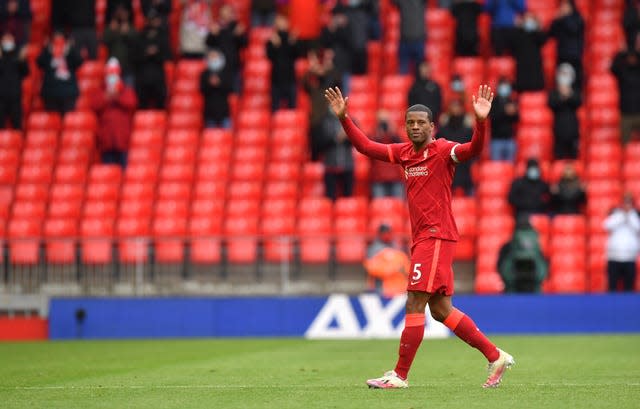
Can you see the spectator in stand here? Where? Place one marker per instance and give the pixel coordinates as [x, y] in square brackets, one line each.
[426, 91]
[336, 37]
[114, 105]
[504, 14]
[215, 86]
[504, 118]
[159, 7]
[631, 22]
[564, 101]
[568, 195]
[386, 264]
[412, 33]
[79, 18]
[528, 40]
[568, 30]
[120, 37]
[194, 26]
[282, 50]
[466, 14]
[321, 75]
[337, 153]
[529, 194]
[623, 245]
[15, 18]
[59, 61]
[263, 12]
[358, 23]
[372, 8]
[229, 36]
[456, 126]
[114, 6]
[457, 87]
[13, 68]
[151, 53]
[626, 68]
[386, 178]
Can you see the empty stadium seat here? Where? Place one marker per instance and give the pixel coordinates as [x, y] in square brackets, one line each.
[60, 234]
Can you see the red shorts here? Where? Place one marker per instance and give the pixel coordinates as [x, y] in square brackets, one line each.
[431, 266]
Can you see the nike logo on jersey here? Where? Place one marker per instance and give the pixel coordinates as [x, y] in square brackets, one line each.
[415, 282]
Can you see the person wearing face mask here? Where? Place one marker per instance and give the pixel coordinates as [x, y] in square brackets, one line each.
[457, 87]
[15, 18]
[626, 69]
[466, 14]
[456, 126]
[528, 40]
[564, 101]
[13, 68]
[114, 104]
[282, 50]
[529, 194]
[426, 91]
[568, 195]
[568, 30]
[215, 86]
[229, 36]
[151, 52]
[503, 122]
[623, 244]
[386, 178]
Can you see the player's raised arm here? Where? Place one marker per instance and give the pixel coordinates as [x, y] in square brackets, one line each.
[361, 142]
[481, 107]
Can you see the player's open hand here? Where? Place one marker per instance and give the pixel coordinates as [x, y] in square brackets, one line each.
[482, 103]
[337, 103]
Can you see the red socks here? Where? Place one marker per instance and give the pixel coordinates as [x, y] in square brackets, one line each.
[409, 342]
[466, 330]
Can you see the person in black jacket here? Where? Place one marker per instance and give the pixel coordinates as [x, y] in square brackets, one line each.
[528, 40]
[564, 101]
[215, 86]
[631, 22]
[426, 91]
[466, 14]
[568, 195]
[15, 18]
[263, 12]
[59, 61]
[568, 30]
[120, 37]
[529, 194]
[504, 117]
[229, 36]
[282, 51]
[13, 68]
[626, 68]
[151, 53]
[79, 18]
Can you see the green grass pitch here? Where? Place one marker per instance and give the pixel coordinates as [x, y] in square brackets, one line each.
[550, 372]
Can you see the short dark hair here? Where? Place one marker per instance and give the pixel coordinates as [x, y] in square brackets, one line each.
[420, 108]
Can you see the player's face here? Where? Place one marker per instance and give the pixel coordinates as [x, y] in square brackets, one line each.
[419, 127]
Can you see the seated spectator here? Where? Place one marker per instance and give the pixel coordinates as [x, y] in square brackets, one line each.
[114, 105]
[504, 118]
[119, 37]
[59, 61]
[337, 154]
[228, 36]
[263, 12]
[623, 245]
[626, 69]
[456, 126]
[215, 86]
[78, 18]
[568, 195]
[426, 91]
[412, 33]
[15, 18]
[568, 30]
[529, 194]
[194, 26]
[13, 69]
[386, 264]
[521, 264]
[466, 13]
[528, 40]
[564, 101]
[152, 51]
[282, 50]
[387, 179]
[504, 15]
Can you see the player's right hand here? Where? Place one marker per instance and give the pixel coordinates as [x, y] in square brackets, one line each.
[337, 103]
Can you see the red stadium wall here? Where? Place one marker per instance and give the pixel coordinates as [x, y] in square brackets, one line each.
[23, 329]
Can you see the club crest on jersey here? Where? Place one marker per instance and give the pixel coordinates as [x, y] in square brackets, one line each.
[416, 171]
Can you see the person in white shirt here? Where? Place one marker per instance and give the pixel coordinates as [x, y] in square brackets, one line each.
[623, 245]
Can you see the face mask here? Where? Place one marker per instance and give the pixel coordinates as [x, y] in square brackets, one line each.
[533, 173]
[8, 46]
[112, 80]
[530, 25]
[457, 86]
[504, 90]
[564, 80]
[384, 127]
[215, 64]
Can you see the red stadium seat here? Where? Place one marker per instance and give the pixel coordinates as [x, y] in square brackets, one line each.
[278, 207]
[186, 102]
[142, 173]
[64, 209]
[10, 139]
[169, 235]
[42, 138]
[247, 171]
[35, 173]
[209, 189]
[44, 121]
[31, 192]
[80, 120]
[29, 209]
[568, 224]
[149, 138]
[185, 138]
[188, 120]
[111, 174]
[278, 234]
[149, 120]
[351, 206]
[351, 240]
[79, 156]
[242, 242]
[290, 118]
[60, 237]
[315, 238]
[70, 173]
[77, 139]
[24, 240]
[38, 156]
[177, 172]
[101, 209]
[281, 190]
[208, 207]
[136, 209]
[245, 190]
[103, 191]
[134, 241]
[61, 192]
[205, 231]
[315, 206]
[253, 137]
[215, 154]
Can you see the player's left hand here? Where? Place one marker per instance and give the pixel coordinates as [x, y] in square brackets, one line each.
[482, 103]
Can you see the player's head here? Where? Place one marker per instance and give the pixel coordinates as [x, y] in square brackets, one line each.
[419, 124]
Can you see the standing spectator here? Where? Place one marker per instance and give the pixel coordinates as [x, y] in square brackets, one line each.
[358, 23]
[412, 33]
[114, 6]
[386, 178]
[15, 18]
[336, 37]
[623, 244]
[114, 105]
[263, 12]
[338, 160]
[426, 91]
[626, 68]
[79, 18]
[120, 37]
[503, 122]
[504, 14]
[568, 30]
[564, 101]
[372, 7]
[59, 61]
[529, 194]
[13, 68]
[528, 40]
[466, 14]
[194, 26]
[282, 51]
[151, 53]
[568, 195]
[456, 126]
[215, 86]
[159, 7]
[228, 35]
[631, 22]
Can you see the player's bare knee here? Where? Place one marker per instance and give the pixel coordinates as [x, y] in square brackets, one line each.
[416, 302]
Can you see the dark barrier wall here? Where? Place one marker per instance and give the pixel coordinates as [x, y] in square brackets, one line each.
[336, 316]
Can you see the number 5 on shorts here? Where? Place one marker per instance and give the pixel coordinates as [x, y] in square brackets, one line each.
[417, 274]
